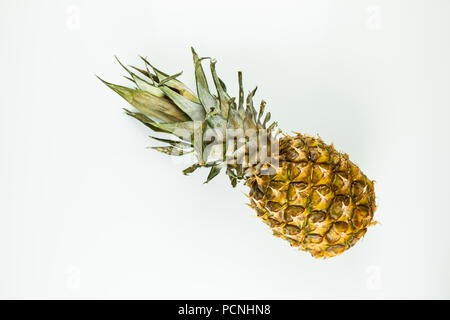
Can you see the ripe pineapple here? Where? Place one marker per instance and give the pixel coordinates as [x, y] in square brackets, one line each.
[305, 190]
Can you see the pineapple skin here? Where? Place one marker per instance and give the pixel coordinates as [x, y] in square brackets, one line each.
[316, 198]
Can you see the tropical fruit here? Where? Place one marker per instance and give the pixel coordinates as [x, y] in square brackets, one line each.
[305, 190]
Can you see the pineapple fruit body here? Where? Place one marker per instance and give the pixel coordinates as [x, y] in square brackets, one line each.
[316, 199]
[312, 195]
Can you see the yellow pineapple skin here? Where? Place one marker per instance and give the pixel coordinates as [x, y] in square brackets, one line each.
[316, 198]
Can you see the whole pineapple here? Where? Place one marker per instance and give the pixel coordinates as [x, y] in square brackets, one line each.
[306, 191]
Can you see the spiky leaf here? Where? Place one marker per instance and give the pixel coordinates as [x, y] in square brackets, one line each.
[207, 99]
[178, 144]
[194, 110]
[145, 120]
[156, 107]
[170, 150]
[191, 169]
[224, 98]
[215, 170]
[173, 83]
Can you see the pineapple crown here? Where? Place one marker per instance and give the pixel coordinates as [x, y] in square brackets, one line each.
[220, 133]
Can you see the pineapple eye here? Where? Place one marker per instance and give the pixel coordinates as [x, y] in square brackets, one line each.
[291, 230]
[272, 222]
[259, 212]
[256, 193]
[358, 189]
[294, 210]
[336, 249]
[341, 183]
[313, 238]
[341, 226]
[291, 155]
[332, 236]
[357, 219]
[313, 154]
[339, 207]
[317, 216]
[293, 243]
[274, 206]
[321, 174]
[278, 185]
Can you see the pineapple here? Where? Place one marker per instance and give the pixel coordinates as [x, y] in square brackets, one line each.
[305, 190]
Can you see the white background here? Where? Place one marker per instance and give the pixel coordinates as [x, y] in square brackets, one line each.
[87, 212]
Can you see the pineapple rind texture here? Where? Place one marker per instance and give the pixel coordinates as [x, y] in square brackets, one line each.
[317, 199]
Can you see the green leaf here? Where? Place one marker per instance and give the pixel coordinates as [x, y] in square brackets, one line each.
[156, 107]
[198, 132]
[169, 78]
[234, 120]
[146, 73]
[145, 120]
[215, 170]
[145, 86]
[141, 83]
[250, 106]
[248, 121]
[178, 144]
[207, 99]
[191, 169]
[194, 110]
[262, 107]
[224, 98]
[250, 112]
[272, 126]
[233, 182]
[183, 130]
[223, 84]
[266, 119]
[170, 150]
[173, 83]
[232, 176]
[241, 95]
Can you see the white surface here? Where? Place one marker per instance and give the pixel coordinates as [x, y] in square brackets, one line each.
[87, 212]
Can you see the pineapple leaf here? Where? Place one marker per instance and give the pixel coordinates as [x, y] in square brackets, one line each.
[128, 78]
[191, 169]
[241, 95]
[233, 182]
[250, 112]
[215, 170]
[250, 107]
[272, 126]
[146, 73]
[153, 106]
[183, 130]
[207, 99]
[141, 83]
[199, 145]
[194, 110]
[232, 104]
[170, 150]
[221, 91]
[173, 83]
[234, 120]
[266, 119]
[145, 86]
[223, 84]
[262, 107]
[232, 176]
[178, 144]
[169, 78]
[145, 120]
